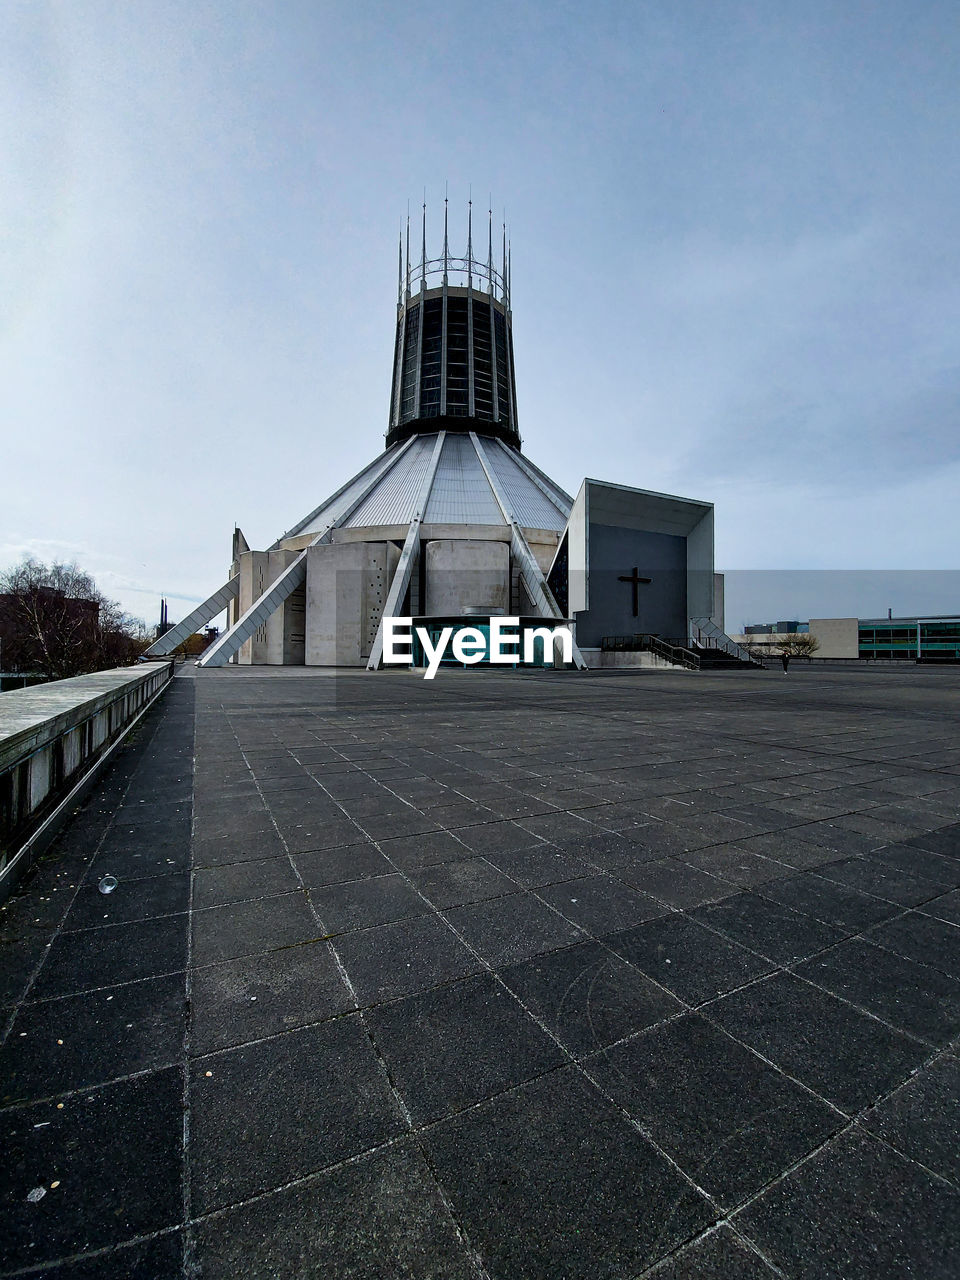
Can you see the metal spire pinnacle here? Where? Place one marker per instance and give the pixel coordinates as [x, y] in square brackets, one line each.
[470, 243]
[490, 247]
[446, 244]
[407, 292]
[400, 269]
[423, 249]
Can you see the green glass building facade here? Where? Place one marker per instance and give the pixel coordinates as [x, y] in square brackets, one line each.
[910, 638]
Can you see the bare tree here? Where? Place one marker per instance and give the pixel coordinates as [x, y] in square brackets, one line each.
[54, 621]
[798, 644]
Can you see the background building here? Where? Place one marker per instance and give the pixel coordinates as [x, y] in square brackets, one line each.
[926, 639]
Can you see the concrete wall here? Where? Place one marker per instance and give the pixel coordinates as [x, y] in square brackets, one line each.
[839, 637]
[701, 584]
[346, 588]
[286, 627]
[280, 639]
[662, 557]
[466, 576]
[613, 528]
[255, 577]
[51, 738]
[612, 658]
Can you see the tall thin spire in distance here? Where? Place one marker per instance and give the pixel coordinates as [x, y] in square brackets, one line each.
[400, 270]
[490, 248]
[446, 241]
[407, 292]
[503, 275]
[423, 247]
[470, 243]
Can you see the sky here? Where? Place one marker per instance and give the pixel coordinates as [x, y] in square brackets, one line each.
[733, 230]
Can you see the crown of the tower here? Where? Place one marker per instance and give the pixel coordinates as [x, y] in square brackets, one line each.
[453, 358]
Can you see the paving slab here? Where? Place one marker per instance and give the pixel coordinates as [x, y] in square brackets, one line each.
[855, 1211]
[496, 976]
[731, 1121]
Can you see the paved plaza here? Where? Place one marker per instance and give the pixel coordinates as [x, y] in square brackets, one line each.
[525, 976]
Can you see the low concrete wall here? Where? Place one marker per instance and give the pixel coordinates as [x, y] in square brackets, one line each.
[51, 739]
[642, 658]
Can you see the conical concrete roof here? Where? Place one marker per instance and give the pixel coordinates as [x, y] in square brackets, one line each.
[460, 492]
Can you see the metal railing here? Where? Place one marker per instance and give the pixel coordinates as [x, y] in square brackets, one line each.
[645, 643]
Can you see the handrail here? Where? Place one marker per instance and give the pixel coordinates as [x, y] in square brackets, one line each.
[644, 642]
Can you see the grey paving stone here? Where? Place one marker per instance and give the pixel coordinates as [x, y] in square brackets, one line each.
[102, 1198]
[373, 800]
[927, 941]
[922, 1118]
[549, 1180]
[454, 816]
[458, 1044]
[676, 884]
[731, 1122]
[241, 881]
[847, 1057]
[496, 837]
[384, 1210]
[604, 849]
[245, 928]
[162, 812]
[426, 850]
[945, 841]
[555, 826]
[113, 954]
[689, 959]
[734, 863]
[588, 997]
[394, 960]
[262, 995]
[262, 1118]
[333, 866]
[703, 829]
[388, 825]
[358, 904]
[851, 843]
[131, 900]
[812, 894]
[244, 821]
[321, 833]
[133, 854]
[882, 830]
[716, 1256]
[600, 904]
[667, 755]
[512, 928]
[941, 871]
[537, 865]
[858, 1211]
[789, 848]
[451, 884]
[780, 934]
[219, 850]
[945, 908]
[73, 1042]
[873, 876]
[147, 1260]
[21, 958]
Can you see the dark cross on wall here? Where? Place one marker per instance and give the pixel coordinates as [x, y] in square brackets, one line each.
[635, 578]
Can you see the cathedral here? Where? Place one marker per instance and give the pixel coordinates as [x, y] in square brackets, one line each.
[453, 524]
